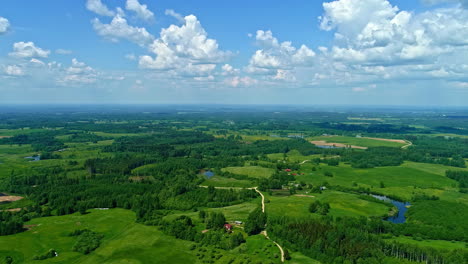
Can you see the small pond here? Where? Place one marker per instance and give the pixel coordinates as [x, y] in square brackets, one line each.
[209, 174]
[327, 146]
[34, 158]
[402, 207]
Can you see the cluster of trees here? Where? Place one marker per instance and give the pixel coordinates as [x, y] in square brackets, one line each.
[256, 222]
[350, 240]
[438, 219]
[10, 223]
[275, 181]
[183, 228]
[87, 240]
[40, 141]
[49, 254]
[460, 176]
[80, 137]
[440, 147]
[374, 157]
[319, 207]
[214, 220]
[369, 128]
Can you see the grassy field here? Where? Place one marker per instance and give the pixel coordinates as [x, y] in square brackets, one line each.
[342, 204]
[127, 242]
[292, 156]
[439, 244]
[430, 168]
[299, 258]
[251, 171]
[219, 181]
[362, 142]
[238, 212]
[402, 181]
[124, 240]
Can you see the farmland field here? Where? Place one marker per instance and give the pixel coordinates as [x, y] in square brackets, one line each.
[355, 141]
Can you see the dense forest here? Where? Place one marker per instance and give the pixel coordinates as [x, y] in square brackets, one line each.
[154, 164]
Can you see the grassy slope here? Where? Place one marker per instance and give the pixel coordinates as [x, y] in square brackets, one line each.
[125, 241]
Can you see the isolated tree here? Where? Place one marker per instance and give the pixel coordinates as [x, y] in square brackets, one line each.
[286, 255]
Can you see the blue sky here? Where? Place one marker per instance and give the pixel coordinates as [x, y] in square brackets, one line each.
[364, 52]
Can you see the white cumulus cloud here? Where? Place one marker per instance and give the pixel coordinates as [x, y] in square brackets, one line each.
[99, 8]
[172, 13]
[120, 29]
[14, 70]
[275, 56]
[28, 50]
[4, 25]
[63, 51]
[141, 11]
[241, 81]
[79, 73]
[186, 49]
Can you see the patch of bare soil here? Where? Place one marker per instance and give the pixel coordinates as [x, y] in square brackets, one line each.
[389, 140]
[140, 178]
[12, 210]
[304, 195]
[9, 198]
[338, 145]
[29, 227]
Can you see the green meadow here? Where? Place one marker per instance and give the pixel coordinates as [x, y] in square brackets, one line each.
[402, 181]
[125, 241]
[251, 171]
[341, 204]
[219, 181]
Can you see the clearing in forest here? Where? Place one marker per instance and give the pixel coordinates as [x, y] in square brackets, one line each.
[9, 198]
[251, 171]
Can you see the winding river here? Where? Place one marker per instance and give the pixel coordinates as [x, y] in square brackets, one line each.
[402, 207]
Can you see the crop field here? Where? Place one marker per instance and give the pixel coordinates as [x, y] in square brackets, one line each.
[362, 142]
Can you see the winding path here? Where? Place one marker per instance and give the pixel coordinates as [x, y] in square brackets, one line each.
[407, 145]
[278, 245]
[263, 199]
[264, 232]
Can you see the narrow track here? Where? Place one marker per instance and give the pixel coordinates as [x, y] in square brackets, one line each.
[264, 232]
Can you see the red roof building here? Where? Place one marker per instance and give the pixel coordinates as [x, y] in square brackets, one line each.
[228, 227]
